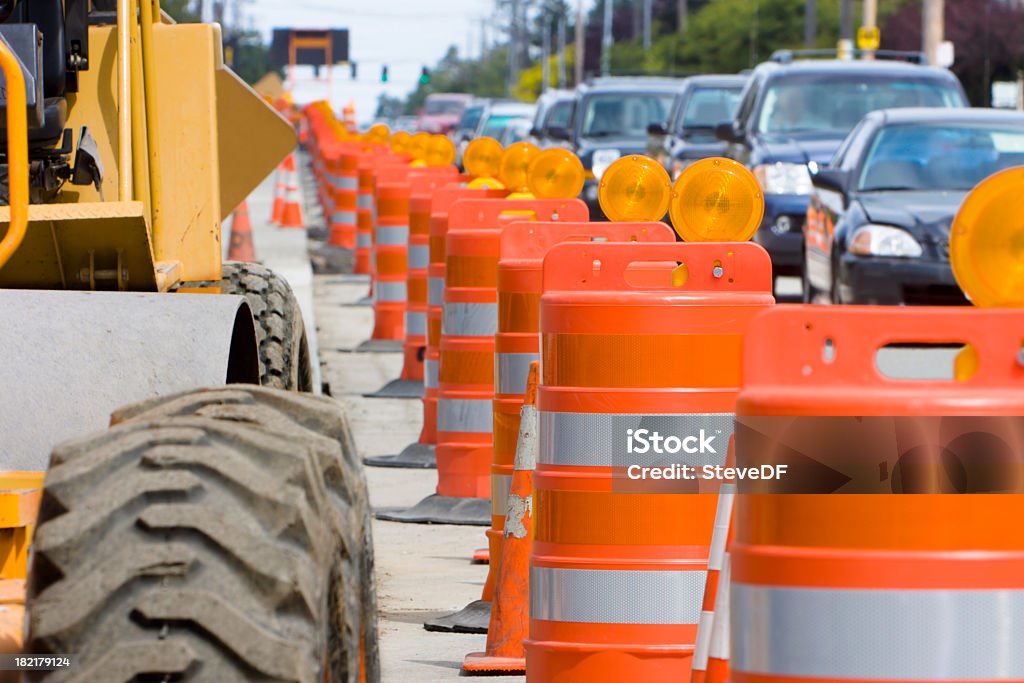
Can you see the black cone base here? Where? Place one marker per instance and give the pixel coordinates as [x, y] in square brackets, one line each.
[413, 456]
[399, 388]
[473, 618]
[435, 509]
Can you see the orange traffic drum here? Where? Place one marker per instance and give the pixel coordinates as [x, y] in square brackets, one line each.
[640, 367]
[913, 568]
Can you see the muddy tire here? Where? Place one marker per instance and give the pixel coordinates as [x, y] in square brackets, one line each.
[218, 535]
[283, 349]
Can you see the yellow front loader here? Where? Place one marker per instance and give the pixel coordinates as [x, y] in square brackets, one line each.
[193, 525]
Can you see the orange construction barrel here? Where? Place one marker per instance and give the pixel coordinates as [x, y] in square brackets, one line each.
[879, 585]
[636, 340]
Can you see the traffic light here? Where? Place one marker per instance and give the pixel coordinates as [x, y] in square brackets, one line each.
[424, 75]
[384, 74]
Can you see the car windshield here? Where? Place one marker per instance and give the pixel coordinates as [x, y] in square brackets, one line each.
[471, 118]
[443, 107]
[830, 106]
[708, 107]
[559, 116]
[948, 156]
[624, 114]
[495, 124]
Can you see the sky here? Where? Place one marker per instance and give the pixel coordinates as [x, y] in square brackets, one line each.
[404, 34]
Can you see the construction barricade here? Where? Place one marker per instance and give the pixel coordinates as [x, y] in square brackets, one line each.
[871, 583]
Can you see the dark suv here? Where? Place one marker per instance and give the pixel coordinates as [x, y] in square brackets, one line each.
[611, 120]
[794, 114]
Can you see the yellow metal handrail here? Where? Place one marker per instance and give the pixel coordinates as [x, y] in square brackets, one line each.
[17, 153]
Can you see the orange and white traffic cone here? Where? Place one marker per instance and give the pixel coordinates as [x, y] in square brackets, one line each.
[241, 248]
[280, 189]
[510, 616]
[292, 217]
[718, 648]
[711, 615]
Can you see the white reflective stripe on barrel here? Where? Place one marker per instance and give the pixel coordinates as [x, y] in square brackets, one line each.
[469, 320]
[415, 324]
[344, 217]
[389, 291]
[723, 513]
[392, 235]
[429, 373]
[600, 439]
[878, 634]
[364, 201]
[435, 291]
[419, 256]
[364, 240]
[616, 596]
[501, 484]
[511, 371]
[348, 182]
[468, 415]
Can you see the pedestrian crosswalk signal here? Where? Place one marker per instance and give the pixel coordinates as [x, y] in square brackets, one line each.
[424, 75]
[384, 74]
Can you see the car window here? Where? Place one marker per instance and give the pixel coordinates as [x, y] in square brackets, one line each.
[849, 153]
[707, 107]
[471, 118]
[560, 115]
[831, 105]
[624, 114]
[443, 107]
[496, 123]
[948, 156]
[748, 100]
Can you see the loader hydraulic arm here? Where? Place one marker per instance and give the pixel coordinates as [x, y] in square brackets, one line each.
[17, 153]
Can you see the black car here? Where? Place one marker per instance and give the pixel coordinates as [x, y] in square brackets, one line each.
[878, 221]
[703, 103]
[554, 111]
[610, 120]
[793, 116]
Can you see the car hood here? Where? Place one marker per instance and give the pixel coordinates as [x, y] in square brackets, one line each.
[924, 214]
[798, 150]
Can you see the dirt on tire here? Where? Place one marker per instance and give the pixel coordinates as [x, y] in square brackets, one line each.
[218, 535]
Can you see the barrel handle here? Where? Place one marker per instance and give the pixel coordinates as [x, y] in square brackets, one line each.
[710, 266]
[486, 213]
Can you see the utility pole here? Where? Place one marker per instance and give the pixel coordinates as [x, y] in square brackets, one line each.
[682, 17]
[483, 36]
[647, 24]
[580, 47]
[563, 79]
[845, 29]
[545, 54]
[513, 48]
[606, 39]
[931, 29]
[870, 22]
[810, 23]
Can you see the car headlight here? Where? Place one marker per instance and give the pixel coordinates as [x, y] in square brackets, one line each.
[783, 178]
[883, 240]
[602, 159]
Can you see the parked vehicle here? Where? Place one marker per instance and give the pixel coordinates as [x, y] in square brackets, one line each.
[793, 116]
[689, 135]
[515, 130]
[879, 216]
[610, 120]
[500, 114]
[466, 127]
[554, 110]
[441, 112]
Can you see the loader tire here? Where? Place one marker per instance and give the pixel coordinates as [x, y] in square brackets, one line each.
[283, 349]
[215, 536]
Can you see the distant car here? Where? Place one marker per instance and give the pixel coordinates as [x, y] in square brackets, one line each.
[793, 116]
[515, 130]
[610, 120]
[500, 114]
[879, 217]
[406, 123]
[441, 111]
[466, 128]
[702, 104]
[554, 111]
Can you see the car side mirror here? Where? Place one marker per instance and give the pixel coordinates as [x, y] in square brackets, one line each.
[558, 133]
[657, 129]
[536, 132]
[728, 131]
[833, 179]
